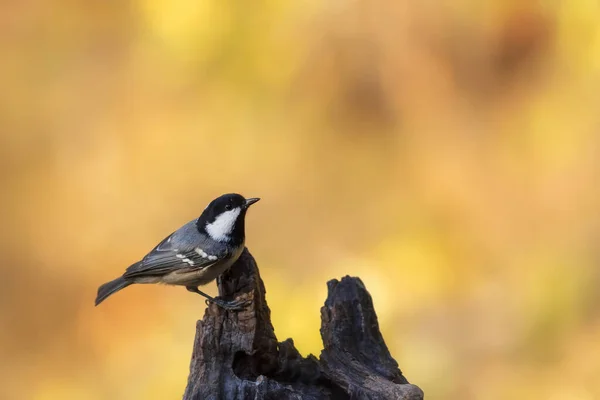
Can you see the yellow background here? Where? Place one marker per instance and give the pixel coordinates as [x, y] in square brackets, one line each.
[447, 152]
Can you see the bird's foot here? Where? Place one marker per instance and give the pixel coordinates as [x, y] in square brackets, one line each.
[235, 305]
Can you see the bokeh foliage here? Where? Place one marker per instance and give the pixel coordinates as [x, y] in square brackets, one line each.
[447, 152]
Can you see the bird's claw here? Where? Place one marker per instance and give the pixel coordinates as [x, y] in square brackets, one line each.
[235, 305]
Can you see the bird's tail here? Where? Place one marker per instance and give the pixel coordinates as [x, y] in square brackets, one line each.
[111, 287]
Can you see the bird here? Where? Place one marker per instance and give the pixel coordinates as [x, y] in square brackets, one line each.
[195, 254]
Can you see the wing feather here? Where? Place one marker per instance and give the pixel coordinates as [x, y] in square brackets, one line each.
[166, 258]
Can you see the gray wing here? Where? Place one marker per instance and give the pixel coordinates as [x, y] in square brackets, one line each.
[185, 250]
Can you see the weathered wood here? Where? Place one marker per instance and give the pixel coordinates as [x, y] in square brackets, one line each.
[355, 356]
[236, 354]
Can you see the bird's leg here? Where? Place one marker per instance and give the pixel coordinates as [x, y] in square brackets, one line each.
[194, 289]
[228, 305]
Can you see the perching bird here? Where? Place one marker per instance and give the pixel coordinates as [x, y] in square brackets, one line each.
[195, 254]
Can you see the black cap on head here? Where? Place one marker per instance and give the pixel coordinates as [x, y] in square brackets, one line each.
[223, 219]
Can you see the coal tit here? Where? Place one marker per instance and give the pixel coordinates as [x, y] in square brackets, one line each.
[195, 254]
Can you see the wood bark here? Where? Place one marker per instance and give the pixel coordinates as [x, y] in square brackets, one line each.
[237, 356]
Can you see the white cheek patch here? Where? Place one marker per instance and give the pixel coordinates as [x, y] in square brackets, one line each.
[222, 226]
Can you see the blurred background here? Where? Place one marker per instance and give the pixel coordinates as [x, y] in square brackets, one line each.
[447, 152]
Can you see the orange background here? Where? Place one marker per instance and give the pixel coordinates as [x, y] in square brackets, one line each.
[447, 152]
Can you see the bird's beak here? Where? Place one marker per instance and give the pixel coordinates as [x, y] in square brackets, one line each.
[251, 201]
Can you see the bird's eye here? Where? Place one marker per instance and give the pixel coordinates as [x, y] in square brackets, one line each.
[228, 207]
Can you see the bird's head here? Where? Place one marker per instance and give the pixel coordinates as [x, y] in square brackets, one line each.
[223, 219]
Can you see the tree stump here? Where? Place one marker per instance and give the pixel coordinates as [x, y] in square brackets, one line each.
[237, 356]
